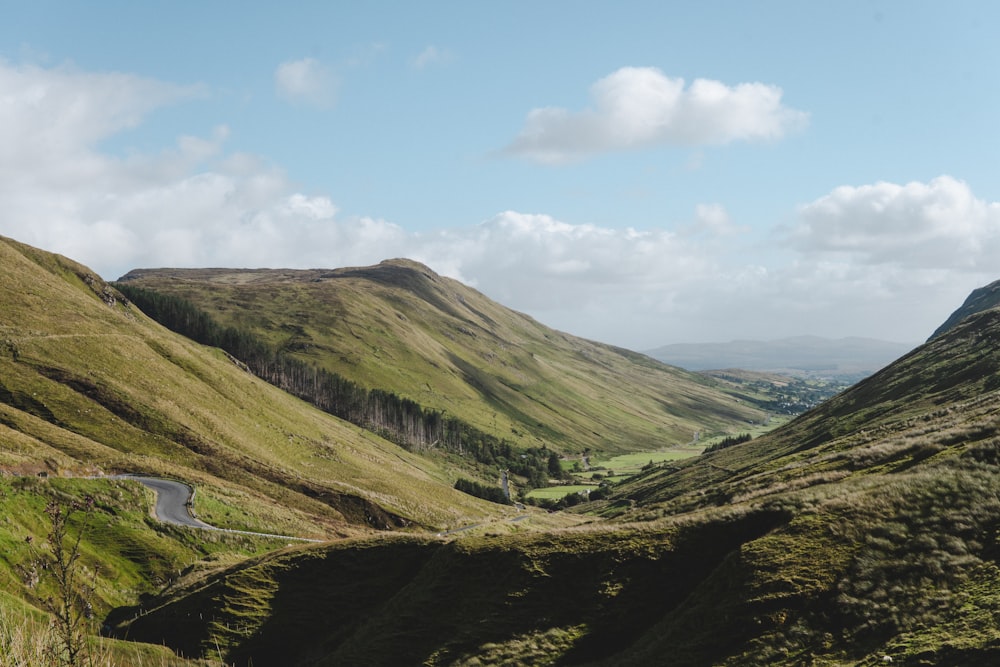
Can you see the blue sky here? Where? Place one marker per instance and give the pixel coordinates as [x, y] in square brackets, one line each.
[639, 173]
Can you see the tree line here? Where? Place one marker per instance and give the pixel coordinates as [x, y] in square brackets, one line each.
[395, 418]
[494, 494]
[729, 441]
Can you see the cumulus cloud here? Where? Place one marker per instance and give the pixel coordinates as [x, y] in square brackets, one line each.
[896, 258]
[713, 220]
[191, 204]
[935, 225]
[306, 81]
[540, 262]
[638, 107]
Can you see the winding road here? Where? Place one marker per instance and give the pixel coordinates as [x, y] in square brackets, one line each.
[173, 506]
[173, 501]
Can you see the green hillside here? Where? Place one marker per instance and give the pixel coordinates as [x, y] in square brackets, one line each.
[400, 327]
[863, 530]
[88, 382]
[90, 386]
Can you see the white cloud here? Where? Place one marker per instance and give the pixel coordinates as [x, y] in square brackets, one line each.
[537, 261]
[65, 107]
[935, 225]
[638, 107]
[882, 260]
[190, 205]
[306, 81]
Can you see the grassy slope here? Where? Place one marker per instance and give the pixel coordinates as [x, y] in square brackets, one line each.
[129, 555]
[399, 326]
[933, 403]
[88, 382]
[865, 528]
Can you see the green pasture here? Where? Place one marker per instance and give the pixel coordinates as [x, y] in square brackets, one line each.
[630, 464]
[557, 492]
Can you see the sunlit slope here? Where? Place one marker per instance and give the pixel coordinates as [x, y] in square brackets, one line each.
[400, 327]
[88, 382]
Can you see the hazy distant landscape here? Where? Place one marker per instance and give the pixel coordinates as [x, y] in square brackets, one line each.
[848, 359]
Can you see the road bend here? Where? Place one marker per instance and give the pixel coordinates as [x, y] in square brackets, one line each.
[173, 505]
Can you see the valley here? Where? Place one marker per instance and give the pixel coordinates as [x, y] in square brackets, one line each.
[729, 517]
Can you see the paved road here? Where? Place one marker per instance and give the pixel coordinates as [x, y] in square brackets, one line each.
[173, 505]
[172, 501]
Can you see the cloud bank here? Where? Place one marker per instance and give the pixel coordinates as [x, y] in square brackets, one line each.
[940, 224]
[889, 260]
[639, 107]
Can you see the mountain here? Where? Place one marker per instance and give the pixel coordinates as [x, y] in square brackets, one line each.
[798, 356]
[90, 387]
[88, 382]
[400, 327]
[981, 299]
[865, 529]
[863, 532]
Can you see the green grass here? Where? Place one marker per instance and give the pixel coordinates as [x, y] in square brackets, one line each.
[90, 384]
[129, 555]
[556, 492]
[867, 527]
[400, 327]
[630, 464]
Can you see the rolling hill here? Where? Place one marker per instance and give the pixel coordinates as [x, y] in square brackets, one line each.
[87, 382]
[399, 326]
[864, 531]
[90, 386]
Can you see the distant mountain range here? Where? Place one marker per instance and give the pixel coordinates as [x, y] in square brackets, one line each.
[799, 355]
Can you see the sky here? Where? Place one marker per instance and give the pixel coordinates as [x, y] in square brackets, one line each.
[637, 173]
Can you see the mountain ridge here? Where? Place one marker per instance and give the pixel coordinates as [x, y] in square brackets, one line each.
[864, 528]
[57, 318]
[448, 347]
